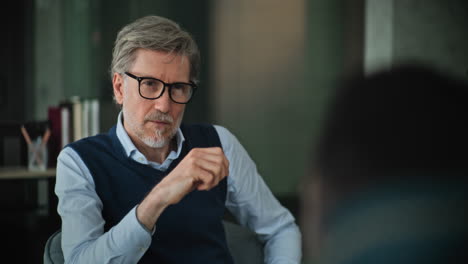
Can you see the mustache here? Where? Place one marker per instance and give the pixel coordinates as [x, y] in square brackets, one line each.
[159, 116]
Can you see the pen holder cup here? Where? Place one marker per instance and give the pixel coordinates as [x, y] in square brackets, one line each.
[37, 156]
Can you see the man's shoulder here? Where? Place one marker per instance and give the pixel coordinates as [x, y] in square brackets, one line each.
[196, 128]
[222, 131]
[101, 140]
[203, 134]
[196, 125]
[96, 139]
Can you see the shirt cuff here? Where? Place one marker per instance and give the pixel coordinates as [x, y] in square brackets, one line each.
[136, 237]
[151, 232]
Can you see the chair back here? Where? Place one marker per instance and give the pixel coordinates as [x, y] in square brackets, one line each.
[243, 244]
[53, 249]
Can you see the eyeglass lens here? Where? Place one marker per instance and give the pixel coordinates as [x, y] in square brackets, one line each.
[179, 92]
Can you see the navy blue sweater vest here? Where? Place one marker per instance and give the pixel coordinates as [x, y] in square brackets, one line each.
[188, 232]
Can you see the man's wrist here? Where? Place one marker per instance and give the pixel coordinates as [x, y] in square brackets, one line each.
[149, 210]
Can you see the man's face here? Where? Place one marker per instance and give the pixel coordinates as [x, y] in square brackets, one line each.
[151, 122]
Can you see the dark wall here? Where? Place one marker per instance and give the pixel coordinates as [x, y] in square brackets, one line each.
[15, 51]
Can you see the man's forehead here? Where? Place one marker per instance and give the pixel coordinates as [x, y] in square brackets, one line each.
[153, 63]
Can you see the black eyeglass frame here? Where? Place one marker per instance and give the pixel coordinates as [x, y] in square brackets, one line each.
[170, 85]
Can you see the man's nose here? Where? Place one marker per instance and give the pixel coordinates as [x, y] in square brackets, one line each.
[164, 102]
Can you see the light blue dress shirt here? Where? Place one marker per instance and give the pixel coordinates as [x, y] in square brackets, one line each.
[248, 199]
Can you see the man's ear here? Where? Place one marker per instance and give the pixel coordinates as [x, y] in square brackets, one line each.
[118, 85]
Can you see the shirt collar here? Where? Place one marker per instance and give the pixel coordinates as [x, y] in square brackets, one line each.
[132, 152]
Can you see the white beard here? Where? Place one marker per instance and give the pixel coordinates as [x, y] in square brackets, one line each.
[156, 140]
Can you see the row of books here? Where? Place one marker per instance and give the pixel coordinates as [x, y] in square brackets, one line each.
[71, 120]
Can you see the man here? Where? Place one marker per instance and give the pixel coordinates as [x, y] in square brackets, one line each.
[391, 170]
[152, 190]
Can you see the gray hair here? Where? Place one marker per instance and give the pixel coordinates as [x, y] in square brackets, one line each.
[158, 34]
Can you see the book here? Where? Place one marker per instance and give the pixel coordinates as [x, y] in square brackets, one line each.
[54, 114]
[66, 108]
[77, 118]
[65, 128]
[85, 118]
[95, 121]
[89, 117]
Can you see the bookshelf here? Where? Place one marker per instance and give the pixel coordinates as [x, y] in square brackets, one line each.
[22, 173]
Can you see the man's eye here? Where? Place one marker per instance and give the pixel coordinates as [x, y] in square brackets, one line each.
[178, 86]
[149, 82]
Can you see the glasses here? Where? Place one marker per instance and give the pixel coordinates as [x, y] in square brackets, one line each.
[152, 88]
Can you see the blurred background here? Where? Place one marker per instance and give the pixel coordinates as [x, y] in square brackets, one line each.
[268, 66]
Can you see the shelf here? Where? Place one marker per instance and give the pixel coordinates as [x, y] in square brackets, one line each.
[20, 173]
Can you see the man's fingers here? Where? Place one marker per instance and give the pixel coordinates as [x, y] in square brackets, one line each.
[209, 175]
[201, 169]
[218, 167]
[214, 154]
[210, 159]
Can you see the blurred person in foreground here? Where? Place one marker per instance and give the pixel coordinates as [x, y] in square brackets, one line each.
[152, 190]
[391, 169]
